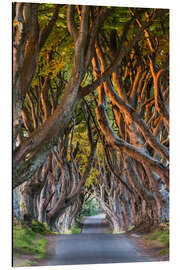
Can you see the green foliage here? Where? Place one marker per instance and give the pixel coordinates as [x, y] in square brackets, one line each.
[90, 208]
[76, 229]
[27, 241]
[160, 235]
[131, 227]
[93, 177]
[164, 251]
[57, 53]
[39, 227]
[117, 18]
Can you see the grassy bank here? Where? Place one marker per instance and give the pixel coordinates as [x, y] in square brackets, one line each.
[29, 244]
[159, 237]
[77, 227]
[152, 239]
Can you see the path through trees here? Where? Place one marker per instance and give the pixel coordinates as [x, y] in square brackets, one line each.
[90, 113]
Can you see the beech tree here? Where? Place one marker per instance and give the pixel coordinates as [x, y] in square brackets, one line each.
[100, 69]
[27, 159]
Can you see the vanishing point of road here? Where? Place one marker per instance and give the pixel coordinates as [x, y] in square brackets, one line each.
[94, 246]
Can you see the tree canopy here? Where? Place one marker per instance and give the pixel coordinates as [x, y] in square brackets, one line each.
[90, 109]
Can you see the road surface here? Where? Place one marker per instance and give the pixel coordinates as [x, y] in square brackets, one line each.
[94, 246]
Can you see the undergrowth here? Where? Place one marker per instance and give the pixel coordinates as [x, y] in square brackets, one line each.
[160, 235]
[40, 227]
[77, 227]
[25, 240]
[28, 240]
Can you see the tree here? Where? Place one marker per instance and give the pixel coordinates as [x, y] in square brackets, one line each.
[27, 154]
[101, 69]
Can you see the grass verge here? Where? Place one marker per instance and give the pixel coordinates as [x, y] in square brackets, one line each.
[77, 227]
[27, 241]
[160, 236]
[29, 244]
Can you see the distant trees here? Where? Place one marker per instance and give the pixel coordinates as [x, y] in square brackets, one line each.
[103, 70]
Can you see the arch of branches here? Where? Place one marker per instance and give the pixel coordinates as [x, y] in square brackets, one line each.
[90, 112]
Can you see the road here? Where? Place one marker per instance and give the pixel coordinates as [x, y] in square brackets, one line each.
[94, 246]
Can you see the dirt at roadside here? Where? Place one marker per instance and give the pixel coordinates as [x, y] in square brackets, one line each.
[50, 245]
[21, 259]
[50, 249]
[149, 247]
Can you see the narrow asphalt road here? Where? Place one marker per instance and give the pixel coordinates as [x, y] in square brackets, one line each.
[94, 246]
